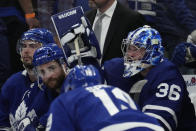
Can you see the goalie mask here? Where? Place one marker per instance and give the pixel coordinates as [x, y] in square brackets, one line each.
[36, 35]
[141, 49]
[82, 76]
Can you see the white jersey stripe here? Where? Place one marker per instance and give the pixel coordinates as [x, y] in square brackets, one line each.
[131, 125]
[144, 12]
[149, 1]
[5, 129]
[161, 119]
[155, 107]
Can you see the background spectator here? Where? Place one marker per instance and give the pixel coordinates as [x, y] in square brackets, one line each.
[191, 4]
[13, 15]
[171, 18]
[114, 26]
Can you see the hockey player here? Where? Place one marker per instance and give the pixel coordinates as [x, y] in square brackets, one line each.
[90, 106]
[94, 106]
[22, 100]
[160, 90]
[53, 69]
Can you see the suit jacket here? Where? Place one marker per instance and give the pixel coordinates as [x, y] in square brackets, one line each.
[123, 21]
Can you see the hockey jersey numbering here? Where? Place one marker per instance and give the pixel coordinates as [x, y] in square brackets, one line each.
[164, 95]
[98, 107]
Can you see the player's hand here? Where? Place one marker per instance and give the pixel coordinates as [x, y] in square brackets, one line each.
[32, 23]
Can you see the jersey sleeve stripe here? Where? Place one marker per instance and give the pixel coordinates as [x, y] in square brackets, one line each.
[5, 129]
[155, 107]
[131, 125]
[161, 119]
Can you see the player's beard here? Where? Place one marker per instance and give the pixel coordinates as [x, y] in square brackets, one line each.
[28, 64]
[55, 83]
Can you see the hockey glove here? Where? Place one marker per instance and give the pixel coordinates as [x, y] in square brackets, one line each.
[184, 53]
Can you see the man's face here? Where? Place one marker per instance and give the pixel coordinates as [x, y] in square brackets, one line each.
[28, 48]
[52, 74]
[91, 4]
[102, 3]
[134, 53]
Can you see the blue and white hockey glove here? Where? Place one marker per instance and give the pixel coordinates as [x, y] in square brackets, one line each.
[184, 53]
[72, 33]
[88, 46]
[76, 30]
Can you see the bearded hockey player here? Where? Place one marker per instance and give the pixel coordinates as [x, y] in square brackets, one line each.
[94, 106]
[22, 100]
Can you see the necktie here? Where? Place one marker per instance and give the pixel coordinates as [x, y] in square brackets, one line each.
[98, 26]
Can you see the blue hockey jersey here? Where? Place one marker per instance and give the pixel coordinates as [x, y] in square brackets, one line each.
[20, 99]
[164, 96]
[98, 107]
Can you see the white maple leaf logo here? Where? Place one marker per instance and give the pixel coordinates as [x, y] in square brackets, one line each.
[21, 111]
[20, 114]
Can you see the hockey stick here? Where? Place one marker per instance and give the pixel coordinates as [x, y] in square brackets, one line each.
[77, 50]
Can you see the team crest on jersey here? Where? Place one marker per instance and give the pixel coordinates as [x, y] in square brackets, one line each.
[20, 114]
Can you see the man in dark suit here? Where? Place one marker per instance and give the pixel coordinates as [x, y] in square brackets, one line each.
[116, 24]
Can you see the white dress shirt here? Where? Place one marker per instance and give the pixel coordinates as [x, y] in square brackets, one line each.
[105, 23]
